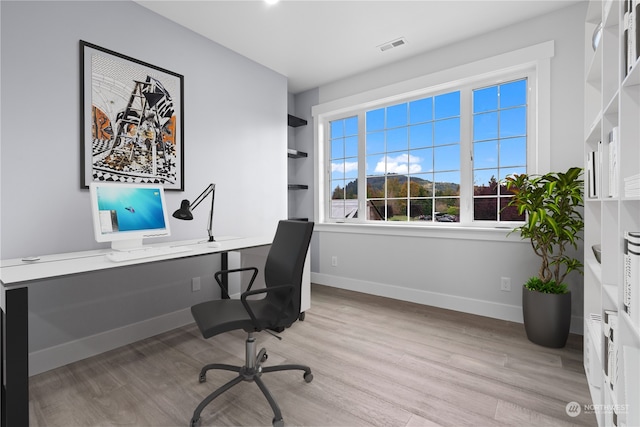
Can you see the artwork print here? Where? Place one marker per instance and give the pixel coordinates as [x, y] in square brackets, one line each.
[132, 124]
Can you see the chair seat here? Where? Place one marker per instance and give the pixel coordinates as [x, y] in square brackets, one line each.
[218, 316]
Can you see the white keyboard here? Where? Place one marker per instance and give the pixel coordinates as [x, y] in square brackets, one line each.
[120, 256]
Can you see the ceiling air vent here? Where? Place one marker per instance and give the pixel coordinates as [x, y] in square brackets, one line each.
[394, 43]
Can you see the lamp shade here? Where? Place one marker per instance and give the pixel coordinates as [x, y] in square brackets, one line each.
[184, 212]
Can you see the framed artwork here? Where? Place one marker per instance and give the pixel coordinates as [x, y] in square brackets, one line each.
[131, 120]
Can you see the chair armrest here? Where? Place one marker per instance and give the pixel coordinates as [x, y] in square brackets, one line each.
[235, 270]
[248, 293]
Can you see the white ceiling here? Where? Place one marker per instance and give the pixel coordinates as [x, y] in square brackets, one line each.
[317, 42]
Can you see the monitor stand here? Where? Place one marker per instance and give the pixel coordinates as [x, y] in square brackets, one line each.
[127, 245]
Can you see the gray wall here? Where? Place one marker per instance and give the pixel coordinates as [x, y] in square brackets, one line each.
[462, 273]
[235, 135]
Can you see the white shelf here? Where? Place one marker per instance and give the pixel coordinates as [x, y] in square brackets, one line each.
[612, 99]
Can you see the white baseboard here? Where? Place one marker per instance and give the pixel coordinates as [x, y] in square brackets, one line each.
[72, 351]
[512, 313]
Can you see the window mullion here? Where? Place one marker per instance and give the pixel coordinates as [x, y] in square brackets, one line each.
[362, 167]
[466, 152]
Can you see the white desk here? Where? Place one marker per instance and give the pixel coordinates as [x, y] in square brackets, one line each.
[16, 276]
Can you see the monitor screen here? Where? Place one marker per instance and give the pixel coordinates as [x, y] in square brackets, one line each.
[124, 214]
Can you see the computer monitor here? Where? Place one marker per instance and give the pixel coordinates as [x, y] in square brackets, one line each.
[124, 214]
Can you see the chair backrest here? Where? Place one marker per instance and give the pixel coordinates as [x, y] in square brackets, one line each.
[285, 265]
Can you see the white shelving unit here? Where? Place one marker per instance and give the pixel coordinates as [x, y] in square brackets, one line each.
[612, 100]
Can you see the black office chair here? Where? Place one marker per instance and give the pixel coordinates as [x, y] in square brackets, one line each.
[278, 309]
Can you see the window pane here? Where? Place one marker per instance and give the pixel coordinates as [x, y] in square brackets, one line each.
[397, 139]
[447, 105]
[513, 152]
[485, 99]
[397, 115]
[398, 163]
[509, 213]
[425, 183]
[351, 146]
[397, 210]
[485, 208]
[447, 131]
[337, 129]
[376, 210]
[351, 126]
[447, 158]
[351, 167]
[375, 187]
[420, 209]
[447, 183]
[396, 186]
[447, 210]
[485, 126]
[375, 120]
[505, 172]
[337, 169]
[375, 142]
[351, 189]
[485, 154]
[421, 160]
[485, 182]
[338, 189]
[513, 122]
[421, 135]
[421, 110]
[376, 165]
[513, 94]
[337, 208]
[337, 148]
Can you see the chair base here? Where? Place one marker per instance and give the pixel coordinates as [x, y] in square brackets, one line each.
[251, 371]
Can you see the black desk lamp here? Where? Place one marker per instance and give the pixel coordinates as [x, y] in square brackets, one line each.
[185, 208]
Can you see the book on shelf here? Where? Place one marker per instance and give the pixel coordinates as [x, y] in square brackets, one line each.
[631, 276]
[593, 336]
[631, 33]
[614, 174]
[592, 174]
[610, 348]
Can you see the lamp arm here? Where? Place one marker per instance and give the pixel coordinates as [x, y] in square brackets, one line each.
[202, 196]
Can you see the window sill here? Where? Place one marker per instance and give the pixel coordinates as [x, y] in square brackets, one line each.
[500, 234]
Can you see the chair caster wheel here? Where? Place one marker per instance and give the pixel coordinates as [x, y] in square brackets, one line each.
[278, 423]
[202, 378]
[308, 377]
[302, 316]
[195, 423]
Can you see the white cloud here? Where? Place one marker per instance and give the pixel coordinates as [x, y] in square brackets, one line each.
[348, 167]
[398, 164]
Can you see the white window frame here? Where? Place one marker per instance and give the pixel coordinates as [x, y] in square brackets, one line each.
[532, 62]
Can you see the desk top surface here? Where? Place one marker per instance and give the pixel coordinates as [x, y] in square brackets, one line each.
[16, 272]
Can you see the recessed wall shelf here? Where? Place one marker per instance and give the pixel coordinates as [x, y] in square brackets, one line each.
[295, 154]
[295, 122]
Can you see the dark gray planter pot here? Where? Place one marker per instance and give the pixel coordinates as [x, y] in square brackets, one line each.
[547, 317]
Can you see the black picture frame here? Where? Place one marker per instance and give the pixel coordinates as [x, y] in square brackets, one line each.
[131, 120]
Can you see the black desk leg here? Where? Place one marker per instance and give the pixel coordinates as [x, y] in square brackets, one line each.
[15, 355]
[224, 265]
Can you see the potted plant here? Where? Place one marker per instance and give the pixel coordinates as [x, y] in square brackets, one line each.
[551, 205]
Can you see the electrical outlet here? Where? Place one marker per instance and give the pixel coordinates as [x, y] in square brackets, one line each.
[505, 283]
[334, 261]
[195, 284]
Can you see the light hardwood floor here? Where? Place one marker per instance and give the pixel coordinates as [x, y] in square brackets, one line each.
[376, 362]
